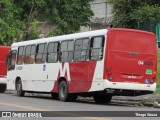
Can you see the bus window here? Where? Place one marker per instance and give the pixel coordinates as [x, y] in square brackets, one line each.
[41, 53]
[12, 60]
[20, 56]
[81, 52]
[85, 50]
[70, 50]
[30, 54]
[67, 51]
[52, 54]
[97, 44]
[77, 50]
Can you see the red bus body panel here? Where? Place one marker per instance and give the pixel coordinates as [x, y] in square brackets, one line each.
[131, 56]
[4, 50]
[81, 76]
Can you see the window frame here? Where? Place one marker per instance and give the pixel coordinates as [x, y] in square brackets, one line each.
[30, 53]
[44, 52]
[23, 55]
[57, 52]
[102, 48]
[60, 56]
[89, 40]
[9, 60]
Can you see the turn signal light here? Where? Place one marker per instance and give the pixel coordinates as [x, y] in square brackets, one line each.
[110, 78]
[109, 73]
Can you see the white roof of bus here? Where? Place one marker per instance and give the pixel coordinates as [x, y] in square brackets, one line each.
[62, 38]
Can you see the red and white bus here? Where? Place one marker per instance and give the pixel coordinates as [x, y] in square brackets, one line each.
[4, 50]
[99, 63]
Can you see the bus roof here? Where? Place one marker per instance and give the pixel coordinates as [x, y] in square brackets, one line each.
[62, 37]
[4, 47]
[75, 36]
[131, 30]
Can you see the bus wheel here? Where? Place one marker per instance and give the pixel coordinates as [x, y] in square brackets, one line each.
[102, 98]
[2, 88]
[63, 91]
[20, 92]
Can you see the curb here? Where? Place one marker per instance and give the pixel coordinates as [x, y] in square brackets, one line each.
[143, 101]
[138, 102]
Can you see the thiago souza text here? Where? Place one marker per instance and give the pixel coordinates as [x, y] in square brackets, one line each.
[146, 114]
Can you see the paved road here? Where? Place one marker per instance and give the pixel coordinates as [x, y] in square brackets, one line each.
[40, 102]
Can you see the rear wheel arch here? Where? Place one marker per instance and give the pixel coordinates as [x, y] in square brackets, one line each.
[55, 94]
[2, 88]
[16, 81]
[61, 79]
[63, 91]
[19, 88]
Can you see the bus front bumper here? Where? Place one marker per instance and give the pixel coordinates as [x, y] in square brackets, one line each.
[3, 80]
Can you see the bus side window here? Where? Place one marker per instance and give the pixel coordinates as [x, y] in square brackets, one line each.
[30, 54]
[97, 44]
[52, 52]
[20, 55]
[11, 60]
[77, 49]
[70, 50]
[41, 52]
[85, 49]
[81, 51]
[67, 51]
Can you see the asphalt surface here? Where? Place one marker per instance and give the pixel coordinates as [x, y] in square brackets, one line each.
[41, 102]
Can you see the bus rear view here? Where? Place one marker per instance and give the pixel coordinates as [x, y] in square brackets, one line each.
[4, 50]
[131, 62]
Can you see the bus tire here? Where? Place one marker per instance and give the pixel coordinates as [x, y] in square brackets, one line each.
[2, 88]
[102, 98]
[20, 92]
[63, 91]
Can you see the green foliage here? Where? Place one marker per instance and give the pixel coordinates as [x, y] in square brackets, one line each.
[33, 33]
[158, 72]
[122, 9]
[133, 13]
[10, 24]
[71, 15]
[147, 12]
[147, 17]
[151, 101]
[19, 19]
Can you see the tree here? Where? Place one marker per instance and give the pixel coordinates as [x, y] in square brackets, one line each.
[121, 10]
[19, 19]
[133, 13]
[70, 15]
[10, 24]
[147, 17]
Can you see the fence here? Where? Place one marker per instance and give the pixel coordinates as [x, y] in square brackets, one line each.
[158, 35]
[151, 27]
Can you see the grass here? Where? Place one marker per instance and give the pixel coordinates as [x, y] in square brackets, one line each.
[158, 72]
[142, 102]
[157, 91]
